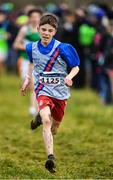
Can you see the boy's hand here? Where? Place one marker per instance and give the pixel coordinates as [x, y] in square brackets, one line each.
[68, 81]
[25, 86]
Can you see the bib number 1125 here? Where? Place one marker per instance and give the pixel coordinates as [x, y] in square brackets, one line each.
[49, 80]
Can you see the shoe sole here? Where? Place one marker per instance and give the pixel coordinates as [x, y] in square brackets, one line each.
[35, 123]
[49, 165]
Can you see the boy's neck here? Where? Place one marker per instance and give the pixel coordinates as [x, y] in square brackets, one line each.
[45, 43]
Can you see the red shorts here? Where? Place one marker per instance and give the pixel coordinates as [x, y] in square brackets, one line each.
[57, 106]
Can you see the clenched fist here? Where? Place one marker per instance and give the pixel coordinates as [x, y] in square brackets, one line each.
[25, 86]
[68, 81]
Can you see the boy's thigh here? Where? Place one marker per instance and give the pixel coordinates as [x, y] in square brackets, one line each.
[58, 110]
[45, 112]
[51, 106]
[44, 101]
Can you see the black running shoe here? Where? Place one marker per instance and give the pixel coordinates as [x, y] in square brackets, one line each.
[36, 122]
[50, 164]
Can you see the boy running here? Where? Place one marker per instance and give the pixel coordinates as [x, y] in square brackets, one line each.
[51, 59]
[28, 33]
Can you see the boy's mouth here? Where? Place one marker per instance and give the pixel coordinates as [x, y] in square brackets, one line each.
[46, 38]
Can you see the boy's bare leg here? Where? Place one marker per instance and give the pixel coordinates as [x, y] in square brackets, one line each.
[33, 104]
[45, 114]
[49, 129]
[37, 121]
[47, 123]
[55, 126]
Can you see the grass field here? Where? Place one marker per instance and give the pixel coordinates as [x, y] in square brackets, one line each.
[83, 146]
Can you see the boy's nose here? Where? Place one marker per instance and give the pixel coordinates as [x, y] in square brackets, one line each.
[46, 32]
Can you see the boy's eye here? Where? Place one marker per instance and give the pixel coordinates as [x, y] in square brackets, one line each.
[43, 29]
[50, 30]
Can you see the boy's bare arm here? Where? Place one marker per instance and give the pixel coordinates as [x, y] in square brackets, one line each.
[68, 79]
[27, 79]
[18, 43]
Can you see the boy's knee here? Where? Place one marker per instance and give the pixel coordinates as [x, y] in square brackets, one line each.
[45, 112]
[46, 120]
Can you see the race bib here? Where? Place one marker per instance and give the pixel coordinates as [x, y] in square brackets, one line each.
[50, 78]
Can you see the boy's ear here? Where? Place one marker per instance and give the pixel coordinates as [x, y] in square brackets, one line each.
[55, 32]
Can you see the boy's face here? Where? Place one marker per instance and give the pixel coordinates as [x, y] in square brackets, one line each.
[47, 32]
[34, 18]
[2, 17]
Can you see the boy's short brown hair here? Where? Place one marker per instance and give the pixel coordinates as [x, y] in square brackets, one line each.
[36, 10]
[50, 19]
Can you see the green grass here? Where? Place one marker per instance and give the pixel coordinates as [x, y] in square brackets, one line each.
[83, 145]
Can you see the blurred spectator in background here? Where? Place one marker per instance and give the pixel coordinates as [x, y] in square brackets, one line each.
[109, 59]
[28, 7]
[98, 83]
[11, 30]
[80, 19]
[3, 40]
[85, 35]
[21, 20]
[28, 33]
[67, 35]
